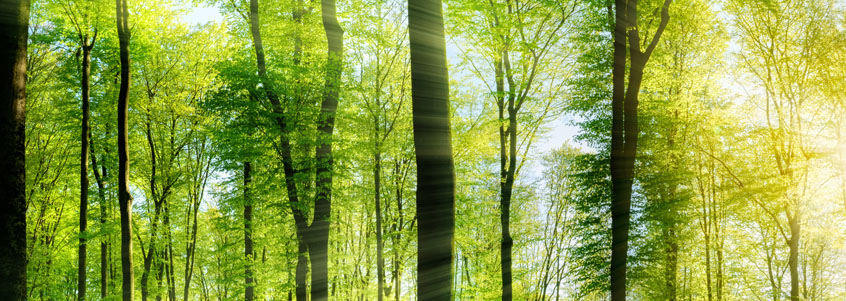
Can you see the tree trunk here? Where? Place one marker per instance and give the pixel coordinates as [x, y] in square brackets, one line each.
[507, 168]
[158, 201]
[195, 197]
[318, 237]
[124, 198]
[284, 145]
[708, 266]
[397, 239]
[104, 246]
[380, 260]
[151, 251]
[621, 169]
[248, 234]
[672, 250]
[171, 285]
[433, 147]
[83, 167]
[302, 271]
[192, 243]
[624, 129]
[793, 260]
[14, 18]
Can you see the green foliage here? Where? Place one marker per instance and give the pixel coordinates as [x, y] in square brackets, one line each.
[741, 132]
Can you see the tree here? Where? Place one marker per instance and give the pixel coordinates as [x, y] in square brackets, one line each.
[433, 148]
[522, 44]
[624, 127]
[313, 237]
[319, 228]
[249, 291]
[83, 28]
[124, 198]
[14, 17]
[779, 54]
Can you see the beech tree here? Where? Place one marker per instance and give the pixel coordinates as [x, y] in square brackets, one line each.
[14, 17]
[624, 127]
[433, 148]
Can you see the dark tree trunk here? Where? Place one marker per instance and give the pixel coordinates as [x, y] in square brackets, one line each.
[620, 168]
[318, 238]
[624, 129]
[301, 276]
[433, 147]
[124, 198]
[83, 166]
[248, 233]
[507, 167]
[14, 19]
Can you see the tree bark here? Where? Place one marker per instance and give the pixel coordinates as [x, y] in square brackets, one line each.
[151, 251]
[284, 145]
[433, 147]
[248, 234]
[319, 229]
[507, 167]
[793, 260]
[124, 198]
[83, 165]
[171, 285]
[14, 19]
[191, 245]
[104, 247]
[624, 129]
[620, 168]
[380, 260]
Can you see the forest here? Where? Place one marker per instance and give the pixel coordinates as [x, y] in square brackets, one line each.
[423, 150]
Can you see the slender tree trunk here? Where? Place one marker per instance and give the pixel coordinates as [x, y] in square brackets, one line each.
[151, 251]
[672, 250]
[189, 262]
[285, 145]
[191, 244]
[14, 19]
[507, 167]
[793, 260]
[158, 201]
[433, 147]
[248, 233]
[398, 236]
[506, 188]
[104, 246]
[83, 168]
[708, 266]
[171, 286]
[124, 198]
[380, 260]
[159, 271]
[718, 249]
